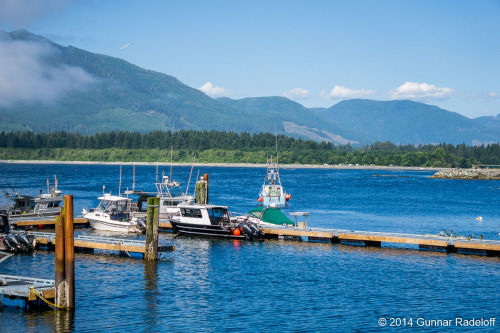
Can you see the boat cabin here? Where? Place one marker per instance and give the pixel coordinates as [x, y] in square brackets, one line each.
[118, 208]
[204, 214]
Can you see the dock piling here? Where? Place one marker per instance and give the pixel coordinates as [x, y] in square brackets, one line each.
[152, 226]
[65, 256]
[69, 250]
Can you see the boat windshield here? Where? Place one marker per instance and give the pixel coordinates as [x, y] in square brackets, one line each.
[217, 214]
[113, 206]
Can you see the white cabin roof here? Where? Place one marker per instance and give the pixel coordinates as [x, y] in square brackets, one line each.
[113, 198]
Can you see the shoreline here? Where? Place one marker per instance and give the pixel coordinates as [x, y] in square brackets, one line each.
[230, 165]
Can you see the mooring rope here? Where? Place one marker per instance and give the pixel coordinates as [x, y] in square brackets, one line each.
[52, 305]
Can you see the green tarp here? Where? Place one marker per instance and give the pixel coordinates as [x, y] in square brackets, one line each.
[271, 215]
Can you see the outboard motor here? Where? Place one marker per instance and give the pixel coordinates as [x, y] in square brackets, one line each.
[250, 230]
[23, 239]
[7, 244]
[141, 224]
[13, 242]
[257, 234]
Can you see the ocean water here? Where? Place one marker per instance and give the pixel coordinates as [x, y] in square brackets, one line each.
[213, 285]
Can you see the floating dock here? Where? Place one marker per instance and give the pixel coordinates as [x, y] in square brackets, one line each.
[360, 238]
[21, 291]
[130, 247]
[370, 238]
[44, 223]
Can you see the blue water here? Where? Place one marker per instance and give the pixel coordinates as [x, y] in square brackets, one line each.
[212, 285]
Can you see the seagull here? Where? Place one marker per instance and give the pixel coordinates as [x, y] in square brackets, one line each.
[124, 47]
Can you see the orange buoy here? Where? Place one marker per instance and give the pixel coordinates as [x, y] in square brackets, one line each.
[259, 199]
[236, 232]
[288, 196]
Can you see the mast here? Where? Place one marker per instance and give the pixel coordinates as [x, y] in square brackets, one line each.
[190, 174]
[133, 179]
[120, 182]
[171, 157]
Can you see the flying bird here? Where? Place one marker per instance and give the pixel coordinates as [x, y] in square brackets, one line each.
[124, 47]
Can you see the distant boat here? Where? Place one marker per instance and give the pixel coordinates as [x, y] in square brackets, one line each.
[272, 193]
[170, 194]
[26, 206]
[112, 214]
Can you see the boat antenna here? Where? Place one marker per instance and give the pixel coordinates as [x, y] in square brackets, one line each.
[197, 177]
[276, 137]
[120, 182]
[133, 178]
[171, 158]
[48, 186]
[157, 171]
[190, 174]
[55, 183]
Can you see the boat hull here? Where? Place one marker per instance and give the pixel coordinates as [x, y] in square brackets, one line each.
[204, 230]
[112, 225]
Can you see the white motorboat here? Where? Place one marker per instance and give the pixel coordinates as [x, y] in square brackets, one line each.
[112, 214]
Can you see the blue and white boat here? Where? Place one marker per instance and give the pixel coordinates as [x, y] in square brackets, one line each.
[272, 193]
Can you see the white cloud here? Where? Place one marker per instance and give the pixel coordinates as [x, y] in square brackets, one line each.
[420, 92]
[296, 94]
[493, 95]
[214, 91]
[26, 77]
[339, 92]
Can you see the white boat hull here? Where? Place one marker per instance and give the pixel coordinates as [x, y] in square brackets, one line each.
[111, 225]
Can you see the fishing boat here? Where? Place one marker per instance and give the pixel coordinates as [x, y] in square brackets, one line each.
[212, 221]
[113, 214]
[272, 193]
[26, 206]
[170, 194]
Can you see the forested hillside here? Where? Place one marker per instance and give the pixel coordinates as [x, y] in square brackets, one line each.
[231, 147]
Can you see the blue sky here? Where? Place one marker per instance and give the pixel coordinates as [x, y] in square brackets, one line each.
[444, 53]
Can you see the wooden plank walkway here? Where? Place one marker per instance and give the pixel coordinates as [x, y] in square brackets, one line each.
[44, 222]
[372, 238]
[367, 238]
[101, 243]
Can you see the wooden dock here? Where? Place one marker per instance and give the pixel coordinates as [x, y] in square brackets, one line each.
[366, 238]
[376, 239]
[90, 243]
[20, 291]
[44, 223]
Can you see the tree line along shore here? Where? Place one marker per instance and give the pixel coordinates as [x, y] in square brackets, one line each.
[231, 147]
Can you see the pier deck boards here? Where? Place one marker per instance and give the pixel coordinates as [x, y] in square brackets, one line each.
[45, 222]
[449, 244]
[101, 243]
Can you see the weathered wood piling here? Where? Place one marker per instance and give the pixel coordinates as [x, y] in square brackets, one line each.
[152, 227]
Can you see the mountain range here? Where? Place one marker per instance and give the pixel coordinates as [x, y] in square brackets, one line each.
[66, 88]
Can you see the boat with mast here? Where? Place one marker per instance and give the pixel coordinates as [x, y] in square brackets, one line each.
[272, 193]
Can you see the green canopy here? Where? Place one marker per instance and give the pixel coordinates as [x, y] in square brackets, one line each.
[271, 215]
